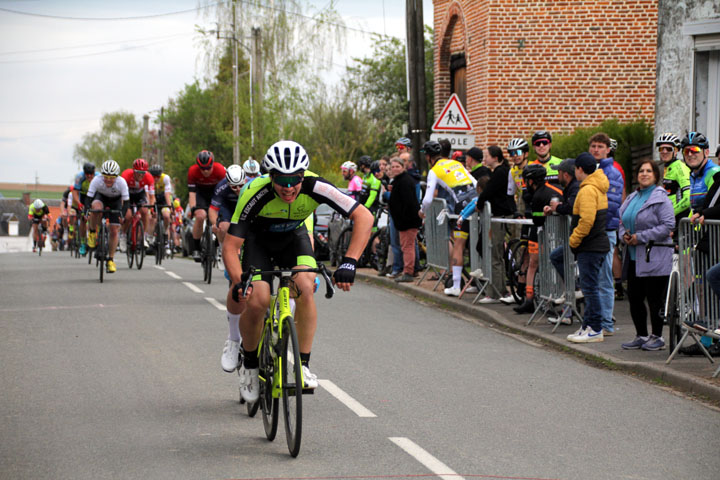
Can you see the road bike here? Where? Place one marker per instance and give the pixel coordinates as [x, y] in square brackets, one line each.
[102, 247]
[42, 236]
[279, 357]
[376, 249]
[516, 261]
[208, 251]
[671, 311]
[135, 240]
[160, 239]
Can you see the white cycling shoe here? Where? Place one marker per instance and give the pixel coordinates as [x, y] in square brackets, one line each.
[309, 378]
[230, 359]
[249, 384]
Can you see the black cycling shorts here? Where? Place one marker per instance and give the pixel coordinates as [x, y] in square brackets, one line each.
[203, 199]
[113, 203]
[288, 250]
[139, 199]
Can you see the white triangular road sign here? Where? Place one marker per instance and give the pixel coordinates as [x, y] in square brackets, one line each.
[453, 117]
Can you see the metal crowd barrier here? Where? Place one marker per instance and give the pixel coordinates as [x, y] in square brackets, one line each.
[698, 303]
[481, 263]
[551, 288]
[437, 237]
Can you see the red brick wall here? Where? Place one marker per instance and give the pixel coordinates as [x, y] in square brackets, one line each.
[581, 63]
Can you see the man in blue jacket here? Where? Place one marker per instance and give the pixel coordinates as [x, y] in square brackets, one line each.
[599, 149]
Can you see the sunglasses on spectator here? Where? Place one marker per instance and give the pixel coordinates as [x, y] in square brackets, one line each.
[665, 149]
[287, 181]
[692, 149]
[541, 143]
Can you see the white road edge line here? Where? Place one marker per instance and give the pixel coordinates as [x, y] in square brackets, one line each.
[159, 267]
[173, 275]
[346, 399]
[432, 463]
[192, 287]
[216, 304]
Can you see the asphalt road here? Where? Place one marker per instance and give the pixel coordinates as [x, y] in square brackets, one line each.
[123, 380]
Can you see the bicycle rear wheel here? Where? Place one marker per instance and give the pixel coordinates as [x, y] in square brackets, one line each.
[268, 404]
[291, 385]
[206, 253]
[517, 255]
[139, 245]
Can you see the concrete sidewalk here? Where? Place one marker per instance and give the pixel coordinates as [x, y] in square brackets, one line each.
[691, 375]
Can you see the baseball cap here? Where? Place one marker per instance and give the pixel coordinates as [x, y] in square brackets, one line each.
[587, 162]
[567, 166]
[475, 153]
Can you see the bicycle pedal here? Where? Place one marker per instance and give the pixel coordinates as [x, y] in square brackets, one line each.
[308, 391]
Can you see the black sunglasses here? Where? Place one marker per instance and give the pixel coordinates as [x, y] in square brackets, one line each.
[287, 180]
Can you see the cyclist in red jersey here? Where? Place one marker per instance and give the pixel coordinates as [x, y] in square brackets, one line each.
[201, 181]
[141, 186]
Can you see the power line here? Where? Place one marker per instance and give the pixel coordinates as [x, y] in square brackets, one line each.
[101, 19]
[66, 120]
[42, 50]
[86, 54]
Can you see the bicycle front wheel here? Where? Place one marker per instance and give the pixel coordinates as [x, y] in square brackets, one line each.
[139, 245]
[100, 250]
[291, 385]
[159, 240]
[268, 404]
[129, 246]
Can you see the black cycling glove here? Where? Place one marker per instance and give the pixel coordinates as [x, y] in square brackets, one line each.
[346, 271]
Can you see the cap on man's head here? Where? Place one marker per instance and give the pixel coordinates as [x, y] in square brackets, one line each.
[567, 166]
[475, 153]
[586, 162]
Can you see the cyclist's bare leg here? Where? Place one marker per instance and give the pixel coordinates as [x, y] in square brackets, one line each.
[305, 310]
[166, 218]
[145, 219]
[530, 278]
[95, 217]
[200, 216]
[114, 229]
[253, 313]
[36, 233]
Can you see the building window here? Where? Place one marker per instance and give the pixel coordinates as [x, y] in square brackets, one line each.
[706, 77]
[458, 80]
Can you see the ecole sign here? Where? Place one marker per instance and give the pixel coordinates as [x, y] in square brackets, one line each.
[453, 124]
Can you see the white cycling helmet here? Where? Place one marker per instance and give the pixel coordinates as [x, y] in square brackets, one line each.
[287, 157]
[251, 167]
[518, 144]
[349, 166]
[110, 167]
[613, 144]
[38, 204]
[668, 139]
[235, 175]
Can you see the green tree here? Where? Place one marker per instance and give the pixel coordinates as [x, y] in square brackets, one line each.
[119, 138]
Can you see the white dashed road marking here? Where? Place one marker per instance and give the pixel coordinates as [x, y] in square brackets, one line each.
[422, 456]
[216, 304]
[159, 267]
[346, 399]
[192, 287]
[174, 275]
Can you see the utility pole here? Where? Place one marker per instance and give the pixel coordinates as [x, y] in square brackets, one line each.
[257, 77]
[146, 123]
[416, 77]
[236, 120]
[161, 139]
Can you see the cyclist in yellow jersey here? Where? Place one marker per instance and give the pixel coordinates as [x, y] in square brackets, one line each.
[542, 143]
[459, 186]
[163, 197]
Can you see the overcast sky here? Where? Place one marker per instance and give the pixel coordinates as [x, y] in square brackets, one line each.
[59, 75]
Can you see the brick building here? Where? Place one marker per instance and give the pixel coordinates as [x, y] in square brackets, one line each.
[523, 65]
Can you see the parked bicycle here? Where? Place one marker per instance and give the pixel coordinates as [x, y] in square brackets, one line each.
[279, 357]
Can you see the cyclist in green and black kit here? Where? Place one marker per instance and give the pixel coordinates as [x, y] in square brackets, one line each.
[370, 194]
[676, 178]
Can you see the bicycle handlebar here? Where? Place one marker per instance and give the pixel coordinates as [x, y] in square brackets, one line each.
[652, 244]
[246, 280]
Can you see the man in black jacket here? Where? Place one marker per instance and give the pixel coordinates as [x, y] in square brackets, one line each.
[404, 207]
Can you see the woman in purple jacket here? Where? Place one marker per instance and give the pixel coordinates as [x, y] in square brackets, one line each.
[647, 214]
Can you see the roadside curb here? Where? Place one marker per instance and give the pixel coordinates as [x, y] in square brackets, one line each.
[657, 374]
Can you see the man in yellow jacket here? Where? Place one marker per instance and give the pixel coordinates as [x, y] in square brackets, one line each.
[589, 242]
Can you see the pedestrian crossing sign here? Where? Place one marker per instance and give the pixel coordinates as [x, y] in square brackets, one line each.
[453, 117]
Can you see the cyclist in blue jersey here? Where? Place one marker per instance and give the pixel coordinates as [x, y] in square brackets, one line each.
[695, 150]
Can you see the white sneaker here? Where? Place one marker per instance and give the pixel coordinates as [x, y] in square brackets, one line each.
[476, 273]
[471, 289]
[564, 320]
[580, 331]
[508, 299]
[249, 384]
[588, 336]
[560, 300]
[309, 378]
[230, 356]
[488, 300]
[452, 292]
[579, 294]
